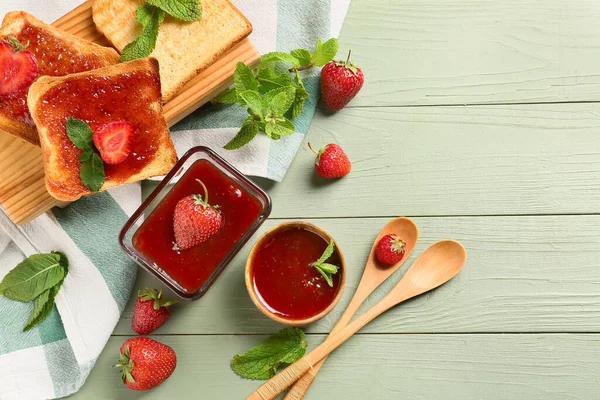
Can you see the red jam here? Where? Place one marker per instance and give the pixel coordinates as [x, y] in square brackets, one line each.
[54, 58]
[284, 279]
[131, 97]
[192, 267]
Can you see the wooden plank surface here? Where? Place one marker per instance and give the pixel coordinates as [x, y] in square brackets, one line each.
[474, 51]
[424, 367]
[523, 274]
[527, 159]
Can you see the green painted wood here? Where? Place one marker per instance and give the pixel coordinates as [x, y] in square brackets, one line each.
[523, 274]
[471, 52]
[427, 367]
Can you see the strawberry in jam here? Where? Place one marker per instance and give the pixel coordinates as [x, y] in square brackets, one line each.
[18, 67]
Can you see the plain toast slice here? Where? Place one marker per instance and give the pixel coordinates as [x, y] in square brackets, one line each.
[123, 92]
[183, 49]
[57, 53]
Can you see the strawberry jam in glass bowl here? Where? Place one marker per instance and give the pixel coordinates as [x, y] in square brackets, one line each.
[150, 242]
[281, 279]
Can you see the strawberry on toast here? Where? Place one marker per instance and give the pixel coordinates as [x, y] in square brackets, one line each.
[30, 48]
[122, 106]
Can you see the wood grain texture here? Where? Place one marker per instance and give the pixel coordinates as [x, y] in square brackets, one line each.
[425, 367]
[523, 274]
[474, 52]
[534, 159]
[22, 186]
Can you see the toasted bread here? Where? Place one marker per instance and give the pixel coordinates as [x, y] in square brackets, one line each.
[123, 92]
[57, 53]
[183, 49]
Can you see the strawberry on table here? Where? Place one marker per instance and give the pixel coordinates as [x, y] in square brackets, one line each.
[195, 220]
[331, 161]
[151, 311]
[390, 249]
[145, 363]
[114, 141]
[18, 67]
[340, 82]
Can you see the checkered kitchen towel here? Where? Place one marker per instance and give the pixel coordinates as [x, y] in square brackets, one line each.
[54, 358]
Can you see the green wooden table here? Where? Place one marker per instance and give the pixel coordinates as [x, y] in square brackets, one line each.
[479, 119]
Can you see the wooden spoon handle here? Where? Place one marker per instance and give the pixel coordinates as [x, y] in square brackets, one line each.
[271, 388]
[299, 389]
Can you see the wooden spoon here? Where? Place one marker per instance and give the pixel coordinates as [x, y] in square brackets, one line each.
[373, 276]
[434, 267]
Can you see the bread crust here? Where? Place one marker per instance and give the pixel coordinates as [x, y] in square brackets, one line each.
[165, 156]
[178, 51]
[12, 25]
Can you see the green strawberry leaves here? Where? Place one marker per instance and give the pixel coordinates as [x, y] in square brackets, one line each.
[273, 97]
[150, 16]
[39, 279]
[263, 360]
[325, 269]
[92, 167]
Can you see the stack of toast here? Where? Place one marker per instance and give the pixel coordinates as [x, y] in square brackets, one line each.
[82, 80]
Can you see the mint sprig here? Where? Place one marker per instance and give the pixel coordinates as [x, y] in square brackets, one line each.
[263, 360]
[272, 97]
[325, 269]
[150, 16]
[39, 279]
[92, 167]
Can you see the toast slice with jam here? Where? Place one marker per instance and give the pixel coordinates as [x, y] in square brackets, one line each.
[183, 49]
[127, 93]
[45, 51]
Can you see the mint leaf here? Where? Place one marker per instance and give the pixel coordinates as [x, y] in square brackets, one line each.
[252, 99]
[302, 55]
[42, 307]
[80, 134]
[92, 172]
[33, 276]
[325, 52]
[269, 80]
[280, 102]
[150, 18]
[244, 78]
[279, 56]
[229, 97]
[325, 269]
[300, 97]
[279, 127]
[245, 135]
[185, 10]
[268, 98]
[262, 361]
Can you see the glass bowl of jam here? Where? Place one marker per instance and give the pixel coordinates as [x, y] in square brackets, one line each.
[148, 236]
[282, 279]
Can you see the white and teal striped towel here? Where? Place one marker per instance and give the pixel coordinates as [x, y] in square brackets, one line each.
[53, 359]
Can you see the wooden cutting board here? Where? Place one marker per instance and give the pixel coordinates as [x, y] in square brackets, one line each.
[22, 188]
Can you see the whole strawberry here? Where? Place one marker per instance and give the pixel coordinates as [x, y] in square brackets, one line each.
[151, 311]
[195, 220]
[145, 363]
[340, 82]
[18, 67]
[390, 249]
[331, 161]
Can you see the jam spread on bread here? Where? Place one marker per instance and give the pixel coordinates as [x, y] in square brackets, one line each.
[99, 100]
[53, 58]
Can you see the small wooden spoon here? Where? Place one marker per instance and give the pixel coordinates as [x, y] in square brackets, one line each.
[373, 276]
[434, 267]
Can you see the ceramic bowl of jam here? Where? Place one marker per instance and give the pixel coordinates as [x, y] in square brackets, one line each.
[281, 278]
[148, 236]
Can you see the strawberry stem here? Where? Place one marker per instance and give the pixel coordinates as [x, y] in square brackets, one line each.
[313, 150]
[205, 191]
[348, 59]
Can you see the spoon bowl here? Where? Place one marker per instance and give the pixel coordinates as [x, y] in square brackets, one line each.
[434, 267]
